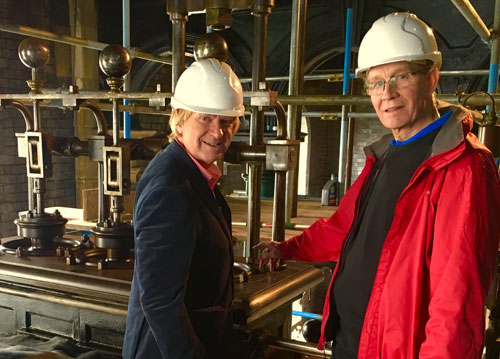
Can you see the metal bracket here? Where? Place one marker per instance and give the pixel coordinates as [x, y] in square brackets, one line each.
[282, 155]
[262, 98]
[34, 146]
[116, 170]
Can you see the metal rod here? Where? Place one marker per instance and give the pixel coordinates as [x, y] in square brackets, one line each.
[116, 201]
[88, 95]
[36, 115]
[166, 112]
[116, 123]
[349, 152]
[100, 192]
[31, 205]
[178, 45]
[470, 14]
[278, 230]
[126, 44]
[296, 75]
[299, 347]
[260, 14]
[495, 51]
[67, 301]
[320, 100]
[279, 204]
[332, 100]
[281, 128]
[345, 91]
[39, 191]
[330, 115]
[55, 278]
[70, 40]
[339, 76]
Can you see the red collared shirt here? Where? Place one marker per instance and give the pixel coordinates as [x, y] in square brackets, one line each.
[211, 174]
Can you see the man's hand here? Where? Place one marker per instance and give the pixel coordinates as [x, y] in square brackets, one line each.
[270, 254]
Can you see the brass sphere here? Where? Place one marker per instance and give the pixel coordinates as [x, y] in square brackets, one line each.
[33, 53]
[115, 61]
[211, 45]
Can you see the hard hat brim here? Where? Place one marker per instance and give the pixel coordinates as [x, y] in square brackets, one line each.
[235, 112]
[435, 57]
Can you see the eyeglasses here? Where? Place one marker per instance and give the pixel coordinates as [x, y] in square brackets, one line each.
[397, 82]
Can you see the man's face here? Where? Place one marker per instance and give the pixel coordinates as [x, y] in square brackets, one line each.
[206, 137]
[405, 105]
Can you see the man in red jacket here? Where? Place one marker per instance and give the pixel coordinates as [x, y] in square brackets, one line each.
[416, 236]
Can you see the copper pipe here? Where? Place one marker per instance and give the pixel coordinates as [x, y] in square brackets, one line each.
[281, 119]
[102, 127]
[28, 118]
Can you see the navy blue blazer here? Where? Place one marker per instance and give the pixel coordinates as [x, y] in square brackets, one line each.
[182, 289]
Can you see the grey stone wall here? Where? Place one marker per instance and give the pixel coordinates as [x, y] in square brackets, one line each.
[13, 76]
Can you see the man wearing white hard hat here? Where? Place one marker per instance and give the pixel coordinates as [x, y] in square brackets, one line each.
[416, 236]
[182, 288]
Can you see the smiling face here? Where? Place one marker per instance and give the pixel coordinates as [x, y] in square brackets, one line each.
[206, 137]
[404, 110]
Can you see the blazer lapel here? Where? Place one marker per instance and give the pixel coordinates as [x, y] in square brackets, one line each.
[200, 185]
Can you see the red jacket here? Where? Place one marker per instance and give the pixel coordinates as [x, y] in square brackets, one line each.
[439, 256]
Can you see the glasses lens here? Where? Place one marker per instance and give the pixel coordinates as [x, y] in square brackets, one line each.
[397, 82]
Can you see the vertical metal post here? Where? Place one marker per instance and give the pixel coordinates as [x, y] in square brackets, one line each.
[116, 123]
[350, 136]
[38, 184]
[345, 91]
[100, 190]
[260, 11]
[278, 232]
[126, 44]
[296, 78]
[495, 51]
[178, 45]
[116, 201]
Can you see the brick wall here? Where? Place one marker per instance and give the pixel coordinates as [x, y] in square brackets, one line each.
[366, 131]
[323, 153]
[13, 76]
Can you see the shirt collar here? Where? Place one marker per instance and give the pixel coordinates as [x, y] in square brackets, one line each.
[434, 125]
[211, 174]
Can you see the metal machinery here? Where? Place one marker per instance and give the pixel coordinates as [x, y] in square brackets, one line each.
[53, 284]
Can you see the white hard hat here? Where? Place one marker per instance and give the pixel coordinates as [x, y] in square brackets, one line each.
[400, 36]
[209, 86]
